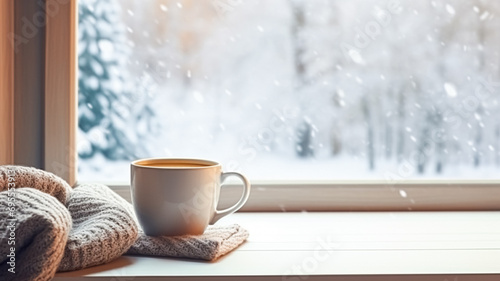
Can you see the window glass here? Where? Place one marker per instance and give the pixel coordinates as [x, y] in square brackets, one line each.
[292, 89]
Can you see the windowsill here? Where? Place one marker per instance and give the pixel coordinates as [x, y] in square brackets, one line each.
[321, 246]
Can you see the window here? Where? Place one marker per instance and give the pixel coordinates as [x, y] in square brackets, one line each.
[290, 89]
[392, 193]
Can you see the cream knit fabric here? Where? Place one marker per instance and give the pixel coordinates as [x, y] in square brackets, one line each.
[102, 228]
[37, 179]
[214, 243]
[41, 229]
[60, 229]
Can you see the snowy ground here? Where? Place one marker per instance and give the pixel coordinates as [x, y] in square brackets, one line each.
[278, 168]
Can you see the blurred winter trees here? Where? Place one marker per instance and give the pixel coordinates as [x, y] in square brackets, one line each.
[378, 81]
[114, 118]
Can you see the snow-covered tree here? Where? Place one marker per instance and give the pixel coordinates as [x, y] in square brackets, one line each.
[115, 116]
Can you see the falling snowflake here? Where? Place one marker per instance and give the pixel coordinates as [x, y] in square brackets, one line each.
[484, 16]
[450, 89]
[450, 9]
[403, 193]
[356, 57]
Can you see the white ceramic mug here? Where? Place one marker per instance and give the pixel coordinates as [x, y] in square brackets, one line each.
[179, 196]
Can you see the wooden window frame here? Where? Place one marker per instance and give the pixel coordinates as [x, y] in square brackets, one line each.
[61, 90]
[60, 156]
[31, 74]
[6, 83]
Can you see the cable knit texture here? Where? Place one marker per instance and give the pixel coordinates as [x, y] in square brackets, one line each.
[37, 179]
[103, 228]
[41, 229]
[58, 228]
[214, 243]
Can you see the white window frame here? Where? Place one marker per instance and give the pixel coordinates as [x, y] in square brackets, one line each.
[61, 156]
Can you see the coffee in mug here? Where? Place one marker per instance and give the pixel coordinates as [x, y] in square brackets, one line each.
[179, 196]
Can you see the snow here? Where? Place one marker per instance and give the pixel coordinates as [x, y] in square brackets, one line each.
[265, 80]
[450, 9]
[450, 89]
[403, 193]
[484, 15]
[269, 168]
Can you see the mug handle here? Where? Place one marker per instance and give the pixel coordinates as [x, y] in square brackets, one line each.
[244, 197]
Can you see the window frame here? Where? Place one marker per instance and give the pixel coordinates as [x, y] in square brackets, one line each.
[61, 157]
[324, 196]
[61, 90]
[6, 83]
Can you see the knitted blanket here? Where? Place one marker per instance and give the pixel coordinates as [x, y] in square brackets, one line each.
[46, 226]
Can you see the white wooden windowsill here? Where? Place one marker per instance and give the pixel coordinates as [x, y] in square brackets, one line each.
[445, 246]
